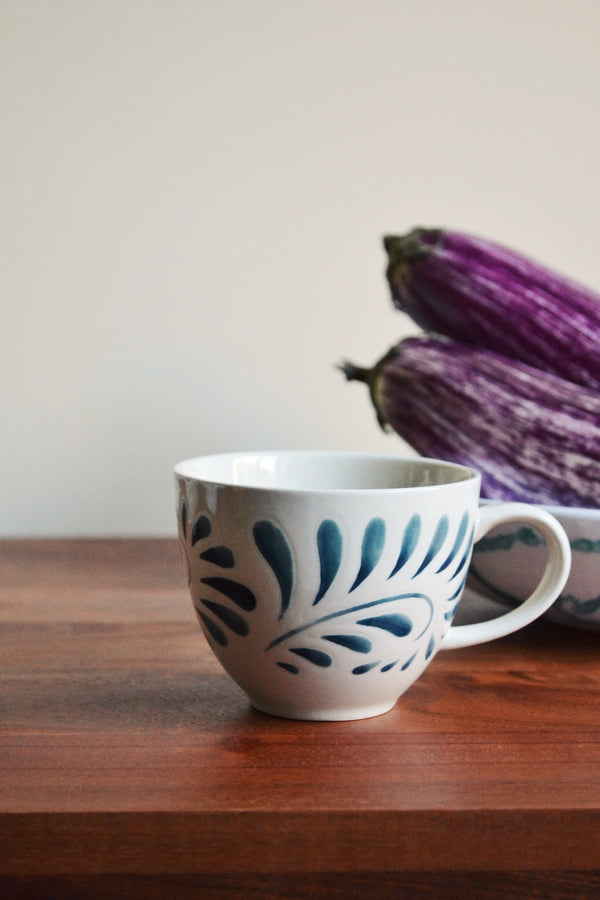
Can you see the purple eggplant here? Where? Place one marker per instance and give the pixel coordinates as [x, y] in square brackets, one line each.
[534, 436]
[481, 293]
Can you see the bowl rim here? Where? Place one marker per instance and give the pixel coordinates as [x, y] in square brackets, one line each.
[582, 513]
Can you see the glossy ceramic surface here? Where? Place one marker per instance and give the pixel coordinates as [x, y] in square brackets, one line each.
[325, 583]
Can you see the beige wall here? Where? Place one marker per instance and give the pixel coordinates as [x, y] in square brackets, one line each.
[194, 197]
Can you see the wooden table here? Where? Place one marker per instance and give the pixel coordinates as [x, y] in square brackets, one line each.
[132, 766]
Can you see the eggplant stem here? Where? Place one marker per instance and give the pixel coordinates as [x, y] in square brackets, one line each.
[356, 373]
[369, 377]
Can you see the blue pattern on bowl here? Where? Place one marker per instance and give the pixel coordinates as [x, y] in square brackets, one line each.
[497, 554]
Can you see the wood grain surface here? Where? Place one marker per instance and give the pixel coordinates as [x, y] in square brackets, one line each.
[131, 764]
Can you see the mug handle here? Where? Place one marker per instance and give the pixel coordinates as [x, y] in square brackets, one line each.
[550, 586]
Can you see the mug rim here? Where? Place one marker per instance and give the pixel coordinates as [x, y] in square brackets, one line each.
[463, 474]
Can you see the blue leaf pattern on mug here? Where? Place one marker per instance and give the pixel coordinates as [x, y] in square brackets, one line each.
[220, 556]
[396, 624]
[372, 548]
[457, 590]
[405, 665]
[289, 667]
[462, 530]
[183, 519]
[228, 617]
[351, 637]
[329, 546]
[465, 557]
[389, 666]
[350, 612]
[409, 543]
[201, 529]
[436, 543]
[241, 595]
[449, 614]
[454, 599]
[351, 641]
[366, 667]
[316, 657]
[430, 647]
[213, 629]
[273, 545]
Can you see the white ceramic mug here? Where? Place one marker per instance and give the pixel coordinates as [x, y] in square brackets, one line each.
[325, 582]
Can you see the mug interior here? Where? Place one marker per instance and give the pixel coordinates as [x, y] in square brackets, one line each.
[327, 470]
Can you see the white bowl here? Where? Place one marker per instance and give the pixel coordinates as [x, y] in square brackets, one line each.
[508, 563]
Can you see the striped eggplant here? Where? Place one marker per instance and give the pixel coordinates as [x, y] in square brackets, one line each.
[482, 293]
[534, 436]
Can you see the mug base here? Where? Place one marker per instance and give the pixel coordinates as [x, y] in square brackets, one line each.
[324, 715]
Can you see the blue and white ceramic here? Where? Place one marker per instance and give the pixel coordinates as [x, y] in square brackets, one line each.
[326, 582]
[509, 561]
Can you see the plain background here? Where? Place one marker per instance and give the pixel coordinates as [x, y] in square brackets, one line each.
[194, 196]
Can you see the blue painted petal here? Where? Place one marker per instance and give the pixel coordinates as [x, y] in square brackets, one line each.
[228, 616]
[462, 530]
[289, 667]
[214, 630]
[220, 556]
[360, 670]
[202, 528]
[329, 544]
[372, 548]
[524, 535]
[241, 595]
[430, 647]
[351, 641]
[436, 542]
[409, 543]
[396, 623]
[450, 614]
[183, 519]
[408, 662]
[389, 666]
[273, 545]
[316, 657]
[457, 591]
[464, 559]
